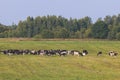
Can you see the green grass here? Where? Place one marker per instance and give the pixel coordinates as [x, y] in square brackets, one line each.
[34, 67]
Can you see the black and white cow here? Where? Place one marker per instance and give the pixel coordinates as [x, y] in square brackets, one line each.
[112, 53]
[99, 53]
[12, 52]
[4, 51]
[27, 51]
[75, 53]
[84, 52]
[33, 52]
[62, 52]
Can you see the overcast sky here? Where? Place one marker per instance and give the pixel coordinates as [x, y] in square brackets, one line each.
[12, 11]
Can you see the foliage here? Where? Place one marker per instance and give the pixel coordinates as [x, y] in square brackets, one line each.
[100, 30]
[60, 27]
[47, 34]
[118, 36]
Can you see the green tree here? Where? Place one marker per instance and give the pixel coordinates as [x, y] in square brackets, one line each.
[63, 33]
[47, 34]
[118, 36]
[88, 33]
[111, 35]
[22, 29]
[100, 30]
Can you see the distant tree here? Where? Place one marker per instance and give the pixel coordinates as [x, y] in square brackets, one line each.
[30, 26]
[118, 36]
[63, 33]
[88, 33]
[3, 28]
[114, 20]
[100, 30]
[99, 19]
[111, 35]
[22, 29]
[47, 34]
[52, 26]
[108, 20]
[2, 35]
[78, 35]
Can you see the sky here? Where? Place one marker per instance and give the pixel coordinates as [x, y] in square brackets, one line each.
[12, 11]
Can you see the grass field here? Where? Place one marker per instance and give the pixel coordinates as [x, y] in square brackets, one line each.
[34, 67]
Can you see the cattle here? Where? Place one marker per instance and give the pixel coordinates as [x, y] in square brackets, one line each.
[8, 52]
[84, 52]
[62, 52]
[75, 53]
[52, 52]
[4, 51]
[43, 52]
[113, 53]
[26, 51]
[99, 53]
[33, 52]
[14, 52]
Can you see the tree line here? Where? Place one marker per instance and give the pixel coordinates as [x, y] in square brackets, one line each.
[60, 27]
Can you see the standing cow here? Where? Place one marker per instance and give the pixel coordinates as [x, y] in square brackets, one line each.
[112, 53]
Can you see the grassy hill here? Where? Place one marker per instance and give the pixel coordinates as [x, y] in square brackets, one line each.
[34, 67]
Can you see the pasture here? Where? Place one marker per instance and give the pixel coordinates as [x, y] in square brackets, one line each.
[35, 67]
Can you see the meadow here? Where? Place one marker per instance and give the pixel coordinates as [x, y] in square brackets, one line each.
[35, 67]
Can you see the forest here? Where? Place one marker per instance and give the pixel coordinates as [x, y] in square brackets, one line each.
[51, 26]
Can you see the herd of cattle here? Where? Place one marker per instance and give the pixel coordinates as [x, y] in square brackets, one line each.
[45, 52]
[51, 52]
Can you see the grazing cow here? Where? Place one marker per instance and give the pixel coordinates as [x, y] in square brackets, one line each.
[43, 52]
[112, 53]
[26, 51]
[8, 52]
[4, 51]
[63, 52]
[99, 53]
[75, 53]
[33, 52]
[52, 52]
[85, 52]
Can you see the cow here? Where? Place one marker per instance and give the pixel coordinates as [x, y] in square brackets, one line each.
[52, 52]
[26, 51]
[99, 53]
[4, 51]
[43, 52]
[33, 52]
[62, 52]
[75, 53]
[84, 52]
[113, 53]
